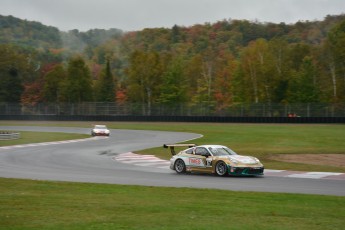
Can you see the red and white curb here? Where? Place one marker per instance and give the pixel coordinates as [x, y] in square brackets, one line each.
[50, 143]
[152, 161]
[142, 160]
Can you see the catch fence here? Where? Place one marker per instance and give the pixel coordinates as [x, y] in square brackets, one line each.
[203, 109]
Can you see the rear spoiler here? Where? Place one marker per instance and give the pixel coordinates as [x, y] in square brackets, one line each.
[172, 147]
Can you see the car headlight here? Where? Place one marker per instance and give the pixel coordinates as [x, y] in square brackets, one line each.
[257, 160]
[234, 161]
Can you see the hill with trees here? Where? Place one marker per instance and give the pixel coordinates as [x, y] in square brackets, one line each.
[220, 64]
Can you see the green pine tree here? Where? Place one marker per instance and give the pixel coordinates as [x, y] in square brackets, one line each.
[105, 91]
[78, 87]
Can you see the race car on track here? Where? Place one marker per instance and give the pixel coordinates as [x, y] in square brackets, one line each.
[100, 130]
[215, 159]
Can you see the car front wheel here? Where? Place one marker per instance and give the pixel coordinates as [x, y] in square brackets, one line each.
[221, 168]
[180, 166]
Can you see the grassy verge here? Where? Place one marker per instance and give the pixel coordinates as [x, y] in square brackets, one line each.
[260, 140]
[26, 204]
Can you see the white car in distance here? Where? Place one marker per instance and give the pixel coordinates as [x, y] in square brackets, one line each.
[100, 130]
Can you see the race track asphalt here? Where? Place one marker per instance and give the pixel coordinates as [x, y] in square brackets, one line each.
[91, 160]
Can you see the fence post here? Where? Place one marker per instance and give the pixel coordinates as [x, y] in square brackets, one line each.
[308, 110]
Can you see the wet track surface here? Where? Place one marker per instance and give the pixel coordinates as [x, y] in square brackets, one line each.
[94, 160]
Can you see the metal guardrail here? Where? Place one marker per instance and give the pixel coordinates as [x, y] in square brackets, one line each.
[8, 135]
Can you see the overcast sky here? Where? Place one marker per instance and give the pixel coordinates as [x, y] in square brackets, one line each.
[129, 15]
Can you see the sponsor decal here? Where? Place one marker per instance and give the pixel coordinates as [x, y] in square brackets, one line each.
[196, 162]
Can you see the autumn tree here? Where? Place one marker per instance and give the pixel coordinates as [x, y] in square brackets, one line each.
[279, 69]
[224, 82]
[303, 86]
[204, 86]
[144, 78]
[256, 64]
[32, 93]
[54, 82]
[335, 48]
[202, 72]
[193, 71]
[174, 85]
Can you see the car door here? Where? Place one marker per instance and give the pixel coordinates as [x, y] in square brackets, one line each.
[198, 161]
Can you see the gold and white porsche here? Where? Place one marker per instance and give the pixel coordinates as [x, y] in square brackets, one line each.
[216, 159]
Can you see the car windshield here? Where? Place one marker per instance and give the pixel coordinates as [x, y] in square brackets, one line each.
[100, 127]
[221, 151]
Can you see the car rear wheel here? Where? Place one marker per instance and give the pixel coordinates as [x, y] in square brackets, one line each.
[221, 168]
[180, 166]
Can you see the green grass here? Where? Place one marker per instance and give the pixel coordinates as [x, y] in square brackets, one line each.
[260, 140]
[26, 204]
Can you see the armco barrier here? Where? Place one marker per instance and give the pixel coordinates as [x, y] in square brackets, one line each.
[177, 119]
[8, 135]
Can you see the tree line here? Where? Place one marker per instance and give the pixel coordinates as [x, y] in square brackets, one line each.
[221, 64]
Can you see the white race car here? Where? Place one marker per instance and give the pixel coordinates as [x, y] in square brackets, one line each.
[100, 130]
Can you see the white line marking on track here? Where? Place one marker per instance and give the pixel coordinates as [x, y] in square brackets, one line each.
[314, 175]
[153, 164]
[140, 161]
[274, 170]
[49, 143]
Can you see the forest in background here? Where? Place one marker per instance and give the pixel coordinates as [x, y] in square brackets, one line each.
[222, 64]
